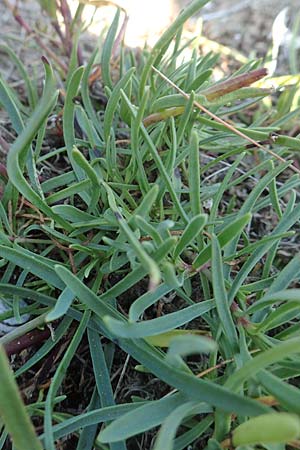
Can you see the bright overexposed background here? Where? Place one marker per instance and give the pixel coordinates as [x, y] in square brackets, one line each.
[147, 19]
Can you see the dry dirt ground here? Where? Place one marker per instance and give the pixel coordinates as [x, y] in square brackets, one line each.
[247, 25]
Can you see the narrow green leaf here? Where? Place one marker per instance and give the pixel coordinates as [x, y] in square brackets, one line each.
[264, 359]
[144, 418]
[182, 442]
[18, 151]
[157, 326]
[199, 80]
[113, 102]
[102, 377]
[252, 199]
[68, 426]
[146, 300]
[31, 91]
[220, 295]
[286, 276]
[68, 118]
[287, 221]
[190, 344]
[12, 409]
[170, 276]
[58, 378]
[32, 263]
[159, 164]
[88, 433]
[286, 295]
[6, 99]
[190, 233]
[167, 433]
[147, 262]
[225, 236]
[194, 175]
[287, 394]
[107, 50]
[146, 227]
[63, 303]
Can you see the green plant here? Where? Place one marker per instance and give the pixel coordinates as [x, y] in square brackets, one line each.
[121, 226]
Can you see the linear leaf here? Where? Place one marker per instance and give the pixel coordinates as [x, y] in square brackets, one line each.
[144, 418]
[225, 236]
[220, 295]
[18, 151]
[191, 231]
[13, 411]
[157, 326]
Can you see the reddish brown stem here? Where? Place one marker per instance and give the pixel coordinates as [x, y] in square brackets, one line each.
[234, 83]
[67, 16]
[26, 341]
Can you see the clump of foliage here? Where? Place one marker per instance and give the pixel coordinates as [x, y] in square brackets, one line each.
[145, 205]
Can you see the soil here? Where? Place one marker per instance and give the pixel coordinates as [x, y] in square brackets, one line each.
[245, 25]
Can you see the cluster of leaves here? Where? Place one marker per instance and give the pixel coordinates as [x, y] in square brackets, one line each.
[126, 203]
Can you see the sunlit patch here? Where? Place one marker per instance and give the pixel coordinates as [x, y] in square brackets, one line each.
[146, 22]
